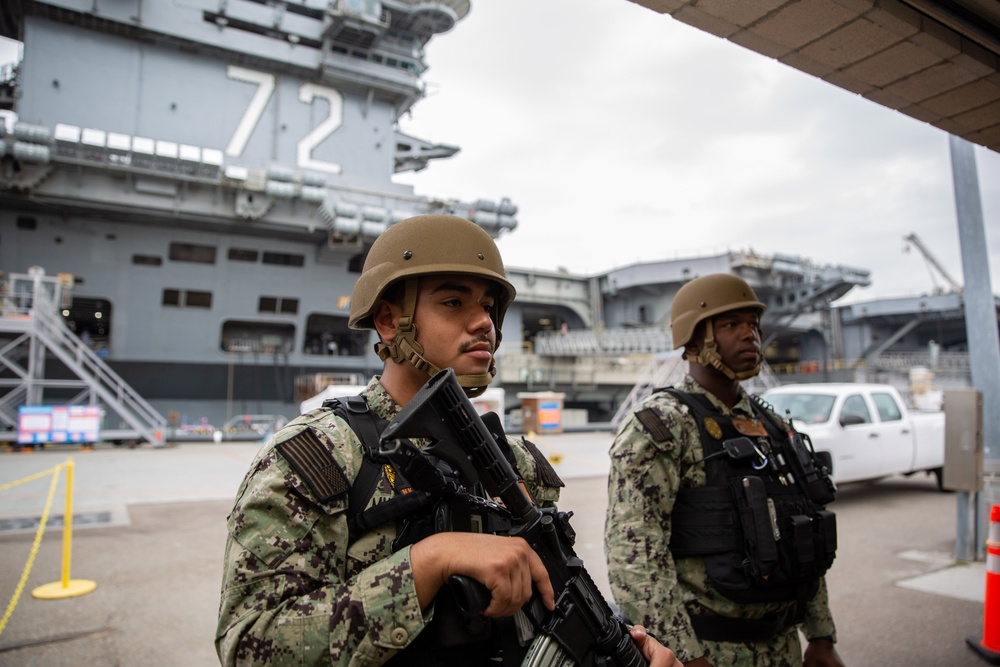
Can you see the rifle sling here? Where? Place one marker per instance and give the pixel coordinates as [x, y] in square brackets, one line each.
[368, 427]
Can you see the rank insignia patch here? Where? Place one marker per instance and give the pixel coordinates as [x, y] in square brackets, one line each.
[713, 428]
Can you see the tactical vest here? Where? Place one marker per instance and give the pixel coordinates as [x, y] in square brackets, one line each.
[455, 636]
[759, 523]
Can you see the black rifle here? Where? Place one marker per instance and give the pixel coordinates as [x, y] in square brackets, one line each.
[583, 624]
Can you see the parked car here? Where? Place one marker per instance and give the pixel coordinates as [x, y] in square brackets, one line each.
[250, 427]
[863, 431]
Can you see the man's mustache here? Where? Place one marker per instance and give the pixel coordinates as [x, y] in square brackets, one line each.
[476, 341]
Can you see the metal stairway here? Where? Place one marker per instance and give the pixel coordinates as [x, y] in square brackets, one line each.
[666, 370]
[662, 371]
[31, 328]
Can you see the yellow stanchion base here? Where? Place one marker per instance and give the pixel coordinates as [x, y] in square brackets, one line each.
[56, 591]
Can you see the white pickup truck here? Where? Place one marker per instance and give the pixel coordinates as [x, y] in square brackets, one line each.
[864, 431]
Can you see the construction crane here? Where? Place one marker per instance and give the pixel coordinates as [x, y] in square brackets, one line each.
[930, 259]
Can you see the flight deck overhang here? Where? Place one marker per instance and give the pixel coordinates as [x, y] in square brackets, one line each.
[92, 172]
[789, 285]
[947, 306]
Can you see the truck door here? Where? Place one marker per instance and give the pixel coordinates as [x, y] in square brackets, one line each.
[895, 434]
[857, 455]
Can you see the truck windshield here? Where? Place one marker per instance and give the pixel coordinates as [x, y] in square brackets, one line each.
[806, 408]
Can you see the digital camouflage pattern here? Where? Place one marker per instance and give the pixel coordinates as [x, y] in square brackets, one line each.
[652, 587]
[294, 592]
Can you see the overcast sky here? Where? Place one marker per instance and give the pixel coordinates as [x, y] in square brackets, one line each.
[625, 136]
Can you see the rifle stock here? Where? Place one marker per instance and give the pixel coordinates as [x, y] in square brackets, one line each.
[583, 624]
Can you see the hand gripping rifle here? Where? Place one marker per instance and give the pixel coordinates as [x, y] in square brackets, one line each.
[582, 628]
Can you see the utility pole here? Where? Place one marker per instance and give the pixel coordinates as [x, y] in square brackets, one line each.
[980, 324]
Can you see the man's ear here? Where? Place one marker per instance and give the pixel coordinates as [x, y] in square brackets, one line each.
[385, 317]
[693, 346]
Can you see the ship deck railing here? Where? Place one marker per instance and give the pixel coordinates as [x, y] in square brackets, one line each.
[637, 340]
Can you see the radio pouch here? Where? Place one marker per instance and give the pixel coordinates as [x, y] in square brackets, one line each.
[758, 526]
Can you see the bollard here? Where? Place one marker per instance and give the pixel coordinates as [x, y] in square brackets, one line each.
[66, 588]
[989, 647]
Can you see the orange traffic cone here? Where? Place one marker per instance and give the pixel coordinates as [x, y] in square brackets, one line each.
[989, 647]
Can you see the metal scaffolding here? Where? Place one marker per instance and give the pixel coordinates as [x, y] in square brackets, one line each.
[32, 333]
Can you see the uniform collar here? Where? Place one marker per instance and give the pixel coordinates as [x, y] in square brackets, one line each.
[742, 408]
[379, 400]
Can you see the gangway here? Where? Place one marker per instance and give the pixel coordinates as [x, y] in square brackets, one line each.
[663, 370]
[666, 370]
[31, 328]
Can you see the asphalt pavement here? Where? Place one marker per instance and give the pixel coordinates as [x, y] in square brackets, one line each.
[149, 530]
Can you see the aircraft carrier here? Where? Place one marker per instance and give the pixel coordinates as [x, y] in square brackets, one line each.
[188, 192]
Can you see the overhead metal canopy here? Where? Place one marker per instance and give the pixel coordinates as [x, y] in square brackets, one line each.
[935, 60]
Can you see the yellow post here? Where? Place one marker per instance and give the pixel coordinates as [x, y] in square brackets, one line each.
[66, 588]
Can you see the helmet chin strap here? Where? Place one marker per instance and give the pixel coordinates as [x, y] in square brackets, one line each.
[709, 356]
[404, 348]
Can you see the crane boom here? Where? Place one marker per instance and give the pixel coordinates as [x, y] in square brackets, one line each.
[915, 240]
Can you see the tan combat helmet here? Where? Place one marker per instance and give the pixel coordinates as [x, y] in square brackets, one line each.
[420, 246]
[702, 299]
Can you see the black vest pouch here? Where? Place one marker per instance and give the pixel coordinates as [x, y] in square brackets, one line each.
[758, 522]
[747, 572]
[825, 530]
[703, 522]
[801, 545]
[809, 543]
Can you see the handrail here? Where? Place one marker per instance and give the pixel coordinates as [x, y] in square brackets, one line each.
[903, 361]
[657, 374]
[11, 399]
[666, 370]
[109, 385]
[645, 340]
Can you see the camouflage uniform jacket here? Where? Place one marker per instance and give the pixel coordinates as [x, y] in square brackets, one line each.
[294, 591]
[650, 585]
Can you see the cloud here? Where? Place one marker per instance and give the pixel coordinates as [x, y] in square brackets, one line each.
[625, 136]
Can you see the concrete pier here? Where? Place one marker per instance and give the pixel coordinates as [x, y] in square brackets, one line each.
[149, 529]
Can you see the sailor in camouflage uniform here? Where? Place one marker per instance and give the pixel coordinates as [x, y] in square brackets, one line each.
[297, 588]
[659, 455]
